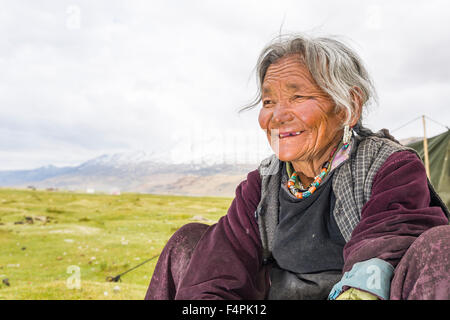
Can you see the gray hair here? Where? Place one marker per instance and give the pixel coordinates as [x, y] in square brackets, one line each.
[335, 67]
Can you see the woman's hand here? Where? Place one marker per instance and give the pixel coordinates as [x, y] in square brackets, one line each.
[356, 294]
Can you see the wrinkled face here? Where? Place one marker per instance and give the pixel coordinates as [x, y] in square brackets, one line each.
[299, 117]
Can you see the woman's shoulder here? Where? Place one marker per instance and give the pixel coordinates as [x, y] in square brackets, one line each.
[254, 179]
[374, 144]
[372, 152]
[249, 189]
[269, 166]
[404, 161]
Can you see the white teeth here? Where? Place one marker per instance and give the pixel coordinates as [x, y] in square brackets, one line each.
[281, 135]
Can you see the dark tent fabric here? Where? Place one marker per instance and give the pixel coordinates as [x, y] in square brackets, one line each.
[438, 155]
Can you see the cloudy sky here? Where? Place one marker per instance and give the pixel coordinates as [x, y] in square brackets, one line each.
[83, 78]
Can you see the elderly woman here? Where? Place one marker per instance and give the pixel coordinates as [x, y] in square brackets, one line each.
[338, 211]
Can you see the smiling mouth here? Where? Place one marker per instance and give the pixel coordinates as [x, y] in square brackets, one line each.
[289, 134]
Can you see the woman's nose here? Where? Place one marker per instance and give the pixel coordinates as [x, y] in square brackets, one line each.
[281, 115]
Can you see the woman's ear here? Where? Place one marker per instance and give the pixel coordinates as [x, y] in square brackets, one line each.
[357, 100]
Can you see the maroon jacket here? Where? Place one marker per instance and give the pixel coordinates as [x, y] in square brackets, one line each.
[227, 262]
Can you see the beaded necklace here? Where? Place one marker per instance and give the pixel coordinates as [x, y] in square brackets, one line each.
[317, 180]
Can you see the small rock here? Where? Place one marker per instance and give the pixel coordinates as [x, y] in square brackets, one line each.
[24, 248]
[116, 289]
[13, 265]
[201, 218]
[6, 281]
[29, 220]
[43, 219]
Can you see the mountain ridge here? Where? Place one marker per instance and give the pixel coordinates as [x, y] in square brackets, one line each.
[135, 171]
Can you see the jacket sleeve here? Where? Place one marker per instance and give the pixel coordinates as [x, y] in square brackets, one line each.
[227, 261]
[397, 213]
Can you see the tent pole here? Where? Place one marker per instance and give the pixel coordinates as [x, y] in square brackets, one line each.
[425, 148]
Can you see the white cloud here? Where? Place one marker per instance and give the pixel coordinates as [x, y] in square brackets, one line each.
[90, 77]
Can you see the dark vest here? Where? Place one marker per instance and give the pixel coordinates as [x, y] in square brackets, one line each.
[307, 238]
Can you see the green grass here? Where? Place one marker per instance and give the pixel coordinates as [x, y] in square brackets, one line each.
[103, 235]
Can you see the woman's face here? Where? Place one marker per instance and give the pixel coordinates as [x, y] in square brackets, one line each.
[298, 116]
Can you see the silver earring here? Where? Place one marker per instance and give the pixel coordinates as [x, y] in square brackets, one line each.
[347, 136]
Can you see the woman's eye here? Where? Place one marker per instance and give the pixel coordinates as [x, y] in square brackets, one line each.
[298, 97]
[266, 102]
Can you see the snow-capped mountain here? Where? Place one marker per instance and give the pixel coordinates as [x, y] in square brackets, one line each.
[137, 171]
[125, 159]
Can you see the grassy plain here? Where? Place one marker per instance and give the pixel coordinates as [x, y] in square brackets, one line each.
[43, 234]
